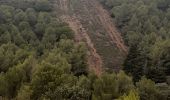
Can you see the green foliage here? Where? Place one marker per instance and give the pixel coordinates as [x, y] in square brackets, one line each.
[111, 86]
[31, 15]
[42, 5]
[40, 61]
[145, 25]
[133, 95]
[11, 55]
[24, 93]
[77, 56]
[27, 36]
[53, 79]
[148, 90]
[12, 79]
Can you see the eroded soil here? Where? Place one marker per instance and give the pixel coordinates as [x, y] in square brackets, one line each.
[93, 25]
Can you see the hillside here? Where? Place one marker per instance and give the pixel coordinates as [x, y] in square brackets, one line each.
[93, 25]
[75, 50]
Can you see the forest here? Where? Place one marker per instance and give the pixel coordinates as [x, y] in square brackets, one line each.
[40, 60]
[145, 26]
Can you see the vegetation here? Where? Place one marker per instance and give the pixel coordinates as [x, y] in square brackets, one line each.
[39, 60]
[145, 26]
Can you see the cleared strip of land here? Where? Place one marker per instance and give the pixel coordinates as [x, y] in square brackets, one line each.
[94, 26]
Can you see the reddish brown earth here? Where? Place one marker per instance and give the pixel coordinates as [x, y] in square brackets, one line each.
[94, 60]
[88, 20]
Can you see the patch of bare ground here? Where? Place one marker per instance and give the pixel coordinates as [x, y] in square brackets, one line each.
[94, 60]
[93, 25]
[107, 23]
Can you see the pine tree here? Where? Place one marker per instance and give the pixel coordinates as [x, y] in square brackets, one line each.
[147, 89]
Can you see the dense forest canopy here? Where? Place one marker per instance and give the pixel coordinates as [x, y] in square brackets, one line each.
[39, 59]
[145, 25]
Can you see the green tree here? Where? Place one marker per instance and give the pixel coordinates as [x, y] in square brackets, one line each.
[24, 93]
[32, 16]
[147, 89]
[42, 5]
[20, 16]
[125, 83]
[133, 95]
[52, 78]
[79, 60]
[39, 30]
[15, 76]
[111, 86]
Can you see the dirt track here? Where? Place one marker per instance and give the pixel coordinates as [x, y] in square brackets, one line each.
[88, 19]
[94, 59]
[109, 26]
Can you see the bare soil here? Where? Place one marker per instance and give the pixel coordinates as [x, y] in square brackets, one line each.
[93, 25]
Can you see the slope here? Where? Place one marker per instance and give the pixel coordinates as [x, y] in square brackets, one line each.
[93, 25]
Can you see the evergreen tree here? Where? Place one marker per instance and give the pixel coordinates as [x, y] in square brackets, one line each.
[147, 90]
